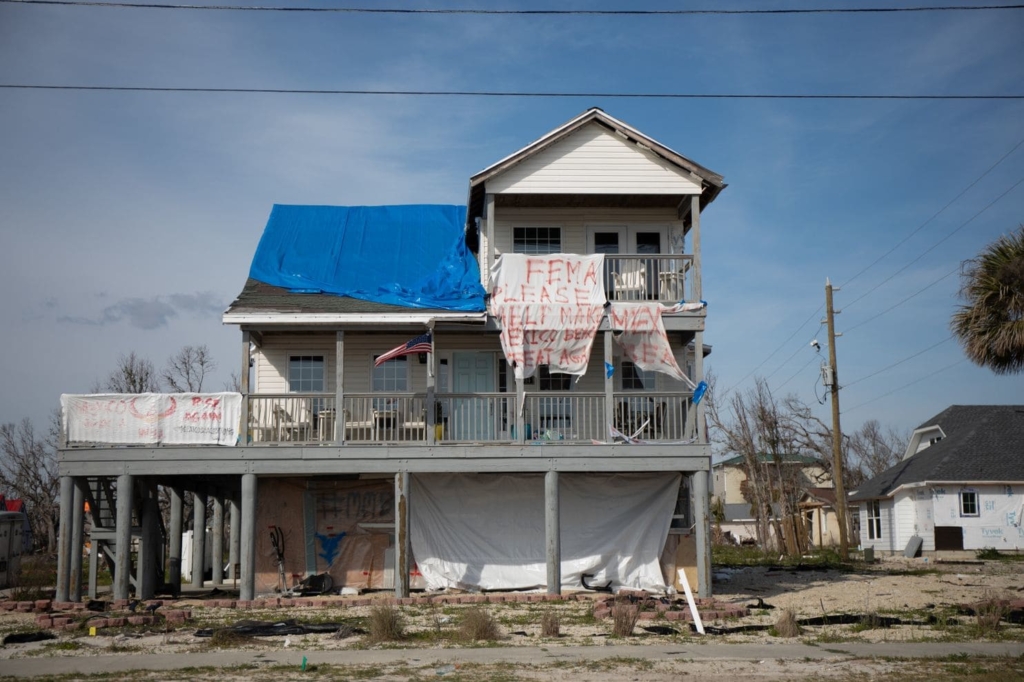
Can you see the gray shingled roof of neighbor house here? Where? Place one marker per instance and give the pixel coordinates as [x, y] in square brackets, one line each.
[982, 443]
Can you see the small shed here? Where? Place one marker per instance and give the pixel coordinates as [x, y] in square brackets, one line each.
[11, 524]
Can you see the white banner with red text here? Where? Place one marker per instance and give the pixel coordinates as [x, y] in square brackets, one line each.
[152, 418]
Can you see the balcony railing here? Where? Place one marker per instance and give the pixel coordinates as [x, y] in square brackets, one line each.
[667, 278]
[379, 418]
[291, 418]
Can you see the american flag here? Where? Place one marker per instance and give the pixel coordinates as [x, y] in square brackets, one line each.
[421, 344]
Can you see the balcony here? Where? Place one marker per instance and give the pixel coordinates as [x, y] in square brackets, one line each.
[480, 418]
[663, 278]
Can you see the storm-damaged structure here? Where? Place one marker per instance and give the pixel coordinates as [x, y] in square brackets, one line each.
[502, 395]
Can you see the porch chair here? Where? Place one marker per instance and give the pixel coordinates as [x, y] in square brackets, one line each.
[631, 281]
[287, 427]
[414, 426]
[358, 430]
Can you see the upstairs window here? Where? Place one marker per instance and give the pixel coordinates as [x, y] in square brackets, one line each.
[306, 374]
[969, 503]
[536, 241]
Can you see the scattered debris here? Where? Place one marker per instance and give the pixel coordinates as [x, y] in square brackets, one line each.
[259, 628]
[26, 637]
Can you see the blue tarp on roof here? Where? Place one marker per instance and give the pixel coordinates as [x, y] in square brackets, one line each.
[413, 256]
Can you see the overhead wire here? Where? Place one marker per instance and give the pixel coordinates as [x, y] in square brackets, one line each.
[929, 286]
[907, 385]
[507, 12]
[504, 93]
[937, 213]
[936, 244]
[899, 362]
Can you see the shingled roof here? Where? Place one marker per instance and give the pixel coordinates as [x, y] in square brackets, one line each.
[259, 297]
[982, 443]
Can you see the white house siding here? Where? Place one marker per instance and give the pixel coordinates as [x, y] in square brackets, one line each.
[998, 524]
[593, 160]
[904, 518]
[885, 543]
[272, 360]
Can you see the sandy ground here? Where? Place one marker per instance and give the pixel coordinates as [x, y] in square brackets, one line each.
[908, 589]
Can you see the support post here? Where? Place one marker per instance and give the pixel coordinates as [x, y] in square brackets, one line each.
[94, 566]
[609, 386]
[77, 530]
[520, 411]
[837, 432]
[698, 288]
[174, 541]
[64, 538]
[198, 537]
[339, 386]
[702, 533]
[151, 544]
[431, 416]
[123, 533]
[403, 546]
[247, 558]
[489, 211]
[552, 533]
[217, 552]
[234, 540]
[244, 437]
[698, 370]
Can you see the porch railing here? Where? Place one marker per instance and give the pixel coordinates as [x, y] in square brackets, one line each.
[291, 418]
[648, 415]
[574, 417]
[664, 277]
[385, 418]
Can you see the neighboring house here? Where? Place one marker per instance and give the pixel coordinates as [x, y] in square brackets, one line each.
[729, 491]
[477, 459]
[960, 485]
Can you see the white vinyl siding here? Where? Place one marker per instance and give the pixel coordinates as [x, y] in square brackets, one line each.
[575, 221]
[593, 160]
[904, 518]
[272, 360]
[885, 542]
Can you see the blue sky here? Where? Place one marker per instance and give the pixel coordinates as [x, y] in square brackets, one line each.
[129, 220]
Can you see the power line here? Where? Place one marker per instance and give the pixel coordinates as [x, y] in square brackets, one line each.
[772, 355]
[937, 213]
[900, 362]
[787, 360]
[897, 305]
[900, 388]
[780, 386]
[500, 93]
[936, 244]
[506, 12]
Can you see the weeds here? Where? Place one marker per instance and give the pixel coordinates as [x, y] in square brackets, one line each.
[550, 624]
[786, 625]
[992, 554]
[478, 625]
[625, 616]
[386, 624]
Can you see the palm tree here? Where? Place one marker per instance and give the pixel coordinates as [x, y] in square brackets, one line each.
[990, 326]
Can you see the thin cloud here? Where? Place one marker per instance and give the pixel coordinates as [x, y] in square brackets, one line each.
[152, 313]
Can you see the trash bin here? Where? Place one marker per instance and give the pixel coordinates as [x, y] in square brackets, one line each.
[869, 555]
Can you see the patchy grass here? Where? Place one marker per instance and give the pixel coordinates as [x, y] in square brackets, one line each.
[992, 554]
[738, 557]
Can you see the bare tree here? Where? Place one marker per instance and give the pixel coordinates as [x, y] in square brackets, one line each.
[877, 449]
[234, 383]
[187, 369]
[28, 470]
[133, 374]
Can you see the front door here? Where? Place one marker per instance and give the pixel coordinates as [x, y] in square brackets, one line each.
[473, 418]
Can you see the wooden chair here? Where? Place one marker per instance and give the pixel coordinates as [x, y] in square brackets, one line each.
[359, 430]
[288, 428]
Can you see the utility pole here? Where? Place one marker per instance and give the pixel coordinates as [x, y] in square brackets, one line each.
[837, 434]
